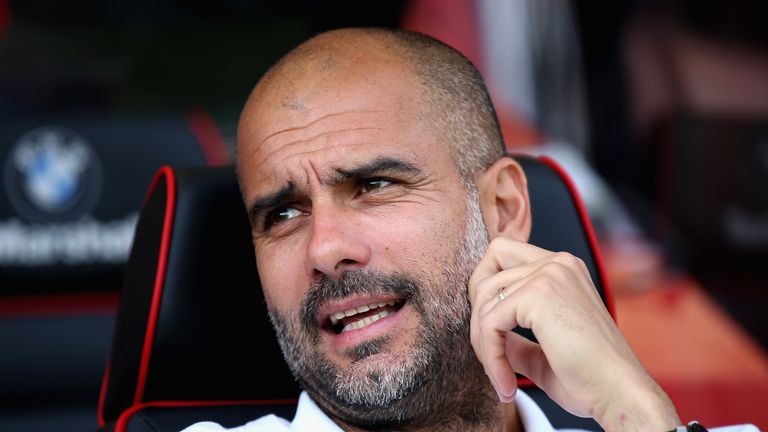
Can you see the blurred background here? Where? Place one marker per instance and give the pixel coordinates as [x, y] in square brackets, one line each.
[658, 109]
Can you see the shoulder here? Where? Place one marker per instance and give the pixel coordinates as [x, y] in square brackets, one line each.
[268, 423]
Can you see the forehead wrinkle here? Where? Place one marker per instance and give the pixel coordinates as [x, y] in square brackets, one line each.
[308, 126]
[318, 147]
[332, 173]
[327, 139]
[306, 155]
[300, 176]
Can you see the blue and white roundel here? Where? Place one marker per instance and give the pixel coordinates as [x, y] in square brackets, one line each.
[52, 169]
[52, 172]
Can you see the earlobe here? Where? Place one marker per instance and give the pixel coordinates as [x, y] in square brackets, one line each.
[504, 200]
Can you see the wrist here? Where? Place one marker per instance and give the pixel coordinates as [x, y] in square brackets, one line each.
[644, 407]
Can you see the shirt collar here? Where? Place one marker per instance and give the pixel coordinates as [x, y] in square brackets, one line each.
[531, 415]
[310, 417]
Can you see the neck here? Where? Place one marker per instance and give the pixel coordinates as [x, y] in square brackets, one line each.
[473, 407]
[507, 420]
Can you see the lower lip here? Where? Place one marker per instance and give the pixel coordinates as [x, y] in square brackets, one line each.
[375, 329]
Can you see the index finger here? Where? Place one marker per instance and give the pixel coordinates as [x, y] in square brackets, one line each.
[504, 253]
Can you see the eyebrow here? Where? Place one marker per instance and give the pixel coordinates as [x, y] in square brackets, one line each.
[379, 166]
[262, 204]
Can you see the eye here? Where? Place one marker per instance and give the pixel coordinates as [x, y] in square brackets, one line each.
[281, 215]
[369, 185]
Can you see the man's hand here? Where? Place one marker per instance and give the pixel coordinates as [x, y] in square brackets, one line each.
[581, 361]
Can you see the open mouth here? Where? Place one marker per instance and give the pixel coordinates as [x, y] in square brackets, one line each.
[362, 316]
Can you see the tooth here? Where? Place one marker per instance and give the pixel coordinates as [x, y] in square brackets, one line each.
[363, 308]
[366, 321]
[392, 303]
[337, 317]
[354, 326]
[380, 304]
[350, 312]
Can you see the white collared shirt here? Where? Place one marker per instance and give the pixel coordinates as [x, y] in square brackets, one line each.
[310, 418]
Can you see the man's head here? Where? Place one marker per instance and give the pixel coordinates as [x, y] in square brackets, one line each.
[453, 99]
[370, 162]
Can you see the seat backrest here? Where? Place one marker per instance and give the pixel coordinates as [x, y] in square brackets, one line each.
[561, 221]
[192, 325]
[192, 340]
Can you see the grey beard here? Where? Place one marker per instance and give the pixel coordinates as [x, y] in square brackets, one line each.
[365, 392]
[436, 376]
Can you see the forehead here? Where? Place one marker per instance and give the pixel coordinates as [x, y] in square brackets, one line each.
[335, 121]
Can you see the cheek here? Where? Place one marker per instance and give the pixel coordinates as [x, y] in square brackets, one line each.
[282, 279]
[417, 239]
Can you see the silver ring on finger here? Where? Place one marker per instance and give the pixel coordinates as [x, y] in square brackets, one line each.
[501, 295]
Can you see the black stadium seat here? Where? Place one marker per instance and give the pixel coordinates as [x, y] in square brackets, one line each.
[192, 340]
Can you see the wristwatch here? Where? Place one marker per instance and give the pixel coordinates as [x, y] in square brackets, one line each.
[693, 426]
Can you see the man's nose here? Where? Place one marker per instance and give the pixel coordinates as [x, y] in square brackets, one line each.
[335, 244]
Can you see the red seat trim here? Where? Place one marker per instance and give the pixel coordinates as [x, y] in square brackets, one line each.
[157, 294]
[167, 173]
[586, 223]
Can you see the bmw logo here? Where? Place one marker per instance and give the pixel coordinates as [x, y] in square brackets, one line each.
[52, 174]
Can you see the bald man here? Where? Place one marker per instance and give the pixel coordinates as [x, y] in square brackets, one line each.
[390, 234]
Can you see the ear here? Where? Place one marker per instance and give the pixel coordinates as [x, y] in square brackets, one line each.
[504, 200]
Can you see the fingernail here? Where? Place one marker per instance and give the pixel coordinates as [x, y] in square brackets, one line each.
[505, 398]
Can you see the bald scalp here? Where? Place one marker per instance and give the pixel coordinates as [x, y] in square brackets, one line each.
[454, 103]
